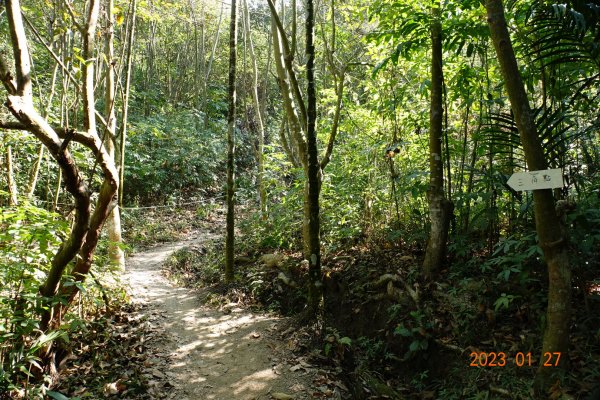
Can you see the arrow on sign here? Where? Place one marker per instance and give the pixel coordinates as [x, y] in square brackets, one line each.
[536, 180]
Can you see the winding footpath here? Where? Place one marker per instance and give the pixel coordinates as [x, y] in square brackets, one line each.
[212, 354]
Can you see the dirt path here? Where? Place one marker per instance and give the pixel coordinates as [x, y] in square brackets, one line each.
[213, 354]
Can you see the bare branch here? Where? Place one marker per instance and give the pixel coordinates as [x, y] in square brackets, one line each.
[21, 52]
[12, 125]
[62, 66]
[73, 17]
[336, 121]
[288, 58]
[89, 112]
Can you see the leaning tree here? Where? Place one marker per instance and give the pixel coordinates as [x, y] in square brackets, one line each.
[74, 256]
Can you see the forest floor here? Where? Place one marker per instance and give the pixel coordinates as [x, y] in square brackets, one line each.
[213, 353]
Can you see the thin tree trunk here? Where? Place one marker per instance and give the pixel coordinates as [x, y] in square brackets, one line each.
[57, 191]
[293, 119]
[285, 143]
[13, 196]
[467, 212]
[35, 172]
[548, 225]
[439, 207]
[209, 67]
[262, 191]
[125, 113]
[314, 172]
[230, 240]
[463, 156]
[113, 223]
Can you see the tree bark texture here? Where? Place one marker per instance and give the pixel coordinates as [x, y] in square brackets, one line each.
[440, 208]
[209, 68]
[113, 223]
[313, 169]
[548, 225]
[230, 239]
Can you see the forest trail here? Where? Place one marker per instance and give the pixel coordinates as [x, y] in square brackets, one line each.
[213, 354]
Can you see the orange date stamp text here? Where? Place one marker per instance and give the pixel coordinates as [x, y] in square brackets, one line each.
[501, 359]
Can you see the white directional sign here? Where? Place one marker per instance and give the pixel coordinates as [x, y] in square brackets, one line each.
[536, 180]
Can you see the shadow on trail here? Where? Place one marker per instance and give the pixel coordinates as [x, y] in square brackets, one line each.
[213, 355]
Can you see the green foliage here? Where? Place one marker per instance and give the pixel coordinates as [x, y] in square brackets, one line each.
[515, 255]
[504, 301]
[335, 346]
[56, 395]
[29, 237]
[285, 191]
[415, 330]
[167, 157]
[374, 349]
[584, 234]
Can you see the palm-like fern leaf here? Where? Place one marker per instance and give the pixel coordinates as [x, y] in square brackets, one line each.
[557, 132]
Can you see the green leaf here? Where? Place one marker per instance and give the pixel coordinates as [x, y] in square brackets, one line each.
[57, 395]
[401, 330]
[346, 341]
[415, 345]
[380, 65]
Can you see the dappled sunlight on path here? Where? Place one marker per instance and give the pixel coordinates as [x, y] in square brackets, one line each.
[213, 355]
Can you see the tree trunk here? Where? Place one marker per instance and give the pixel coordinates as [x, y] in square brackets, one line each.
[293, 119]
[548, 225]
[229, 245]
[440, 208]
[85, 231]
[209, 67]
[113, 223]
[35, 172]
[13, 198]
[313, 171]
[262, 191]
[20, 104]
[125, 113]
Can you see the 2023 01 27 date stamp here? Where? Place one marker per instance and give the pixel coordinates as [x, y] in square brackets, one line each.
[501, 359]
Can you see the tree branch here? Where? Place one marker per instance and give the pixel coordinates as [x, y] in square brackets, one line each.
[73, 17]
[292, 117]
[288, 58]
[336, 121]
[20, 50]
[62, 66]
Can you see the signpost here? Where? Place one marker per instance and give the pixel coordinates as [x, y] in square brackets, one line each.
[536, 180]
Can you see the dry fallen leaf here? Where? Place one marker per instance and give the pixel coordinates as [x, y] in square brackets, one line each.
[113, 388]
